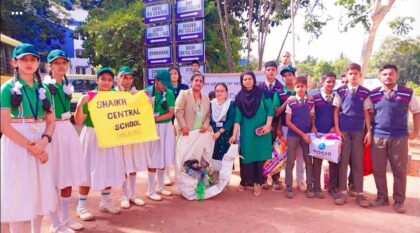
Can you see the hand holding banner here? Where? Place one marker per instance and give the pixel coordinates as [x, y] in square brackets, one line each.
[122, 118]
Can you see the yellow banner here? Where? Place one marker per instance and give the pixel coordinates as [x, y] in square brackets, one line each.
[121, 118]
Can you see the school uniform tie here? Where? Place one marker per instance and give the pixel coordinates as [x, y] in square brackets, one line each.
[329, 98]
[302, 102]
[353, 90]
[270, 87]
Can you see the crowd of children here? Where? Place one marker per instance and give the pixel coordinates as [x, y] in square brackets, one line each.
[41, 151]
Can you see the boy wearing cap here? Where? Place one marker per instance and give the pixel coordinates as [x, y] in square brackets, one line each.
[351, 114]
[270, 87]
[391, 105]
[299, 111]
[162, 152]
[288, 75]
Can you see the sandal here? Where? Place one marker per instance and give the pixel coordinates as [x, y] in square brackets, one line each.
[257, 190]
[240, 188]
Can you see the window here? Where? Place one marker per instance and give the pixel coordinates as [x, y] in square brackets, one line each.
[79, 53]
[80, 70]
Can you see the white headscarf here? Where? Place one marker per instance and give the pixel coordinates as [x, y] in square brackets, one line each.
[219, 111]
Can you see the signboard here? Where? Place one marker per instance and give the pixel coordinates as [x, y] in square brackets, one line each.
[158, 35]
[151, 73]
[121, 118]
[157, 13]
[193, 30]
[158, 55]
[189, 9]
[186, 73]
[150, 1]
[190, 52]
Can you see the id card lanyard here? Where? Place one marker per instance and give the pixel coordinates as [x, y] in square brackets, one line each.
[34, 127]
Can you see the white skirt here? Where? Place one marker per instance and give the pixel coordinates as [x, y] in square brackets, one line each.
[67, 159]
[104, 166]
[162, 151]
[27, 186]
[135, 157]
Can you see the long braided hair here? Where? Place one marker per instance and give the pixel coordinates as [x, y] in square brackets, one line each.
[53, 89]
[16, 98]
[46, 105]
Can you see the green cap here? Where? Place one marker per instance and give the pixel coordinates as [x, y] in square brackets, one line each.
[164, 77]
[57, 53]
[103, 70]
[25, 49]
[287, 69]
[125, 70]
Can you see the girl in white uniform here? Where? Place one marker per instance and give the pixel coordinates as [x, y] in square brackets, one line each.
[27, 123]
[134, 154]
[105, 166]
[67, 150]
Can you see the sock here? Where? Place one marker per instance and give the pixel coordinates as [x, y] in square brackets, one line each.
[36, 224]
[105, 195]
[20, 227]
[125, 189]
[132, 185]
[160, 174]
[55, 221]
[151, 183]
[82, 201]
[64, 202]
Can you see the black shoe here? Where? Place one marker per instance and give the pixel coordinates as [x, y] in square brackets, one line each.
[379, 202]
[333, 193]
[362, 201]
[341, 199]
[288, 192]
[310, 192]
[319, 194]
[399, 207]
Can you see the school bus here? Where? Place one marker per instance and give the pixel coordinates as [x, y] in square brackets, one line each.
[7, 46]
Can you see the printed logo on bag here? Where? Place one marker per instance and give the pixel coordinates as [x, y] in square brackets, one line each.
[322, 146]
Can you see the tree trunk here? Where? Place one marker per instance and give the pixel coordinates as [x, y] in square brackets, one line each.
[225, 33]
[251, 6]
[229, 45]
[377, 16]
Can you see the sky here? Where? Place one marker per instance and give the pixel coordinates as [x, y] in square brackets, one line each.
[332, 42]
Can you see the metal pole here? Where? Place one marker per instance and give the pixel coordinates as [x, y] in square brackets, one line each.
[292, 16]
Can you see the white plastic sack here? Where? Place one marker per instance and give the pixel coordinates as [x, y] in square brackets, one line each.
[325, 146]
[187, 185]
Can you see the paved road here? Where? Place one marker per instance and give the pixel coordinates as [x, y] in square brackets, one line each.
[232, 211]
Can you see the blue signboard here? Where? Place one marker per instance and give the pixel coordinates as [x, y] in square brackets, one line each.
[193, 30]
[150, 1]
[158, 35]
[159, 55]
[189, 9]
[190, 52]
[157, 13]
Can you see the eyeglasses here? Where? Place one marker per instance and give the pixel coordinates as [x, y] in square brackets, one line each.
[344, 82]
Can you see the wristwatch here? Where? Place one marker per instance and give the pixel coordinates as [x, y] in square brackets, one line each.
[47, 136]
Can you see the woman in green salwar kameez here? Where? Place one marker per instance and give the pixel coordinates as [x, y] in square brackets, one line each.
[253, 111]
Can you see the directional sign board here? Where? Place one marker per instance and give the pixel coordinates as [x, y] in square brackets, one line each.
[158, 55]
[190, 52]
[150, 1]
[158, 35]
[151, 73]
[193, 30]
[189, 9]
[157, 13]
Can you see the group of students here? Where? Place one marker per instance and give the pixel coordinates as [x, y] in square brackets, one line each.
[359, 116]
[36, 113]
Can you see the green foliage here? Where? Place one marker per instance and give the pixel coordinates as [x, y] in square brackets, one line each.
[215, 50]
[401, 26]
[405, 53]
[356, 12]
[114, 35]
[39, 22]
[414, 86]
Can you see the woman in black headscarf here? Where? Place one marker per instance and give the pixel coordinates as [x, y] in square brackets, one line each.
[254, 114]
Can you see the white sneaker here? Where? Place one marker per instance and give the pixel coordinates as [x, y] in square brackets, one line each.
[167, 181]
[109, 208]
[153, 196]
[61, 229]
[137, 201]
[73, 225]
[164, 192]
[125, 203]
[302, 187]
[84, 214]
